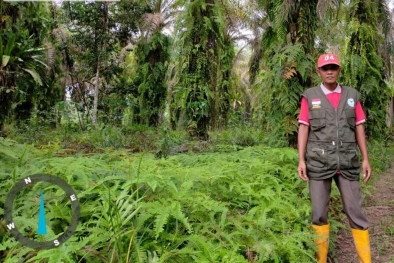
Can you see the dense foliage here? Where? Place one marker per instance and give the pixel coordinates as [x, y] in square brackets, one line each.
[165, 62]
[148, 80]
[229, 204]
[216, 207]
[288, 61]
[29, 76]
[364, 66]
[149, 89]
[206, 55]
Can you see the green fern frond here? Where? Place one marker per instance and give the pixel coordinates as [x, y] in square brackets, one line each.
[161, 220]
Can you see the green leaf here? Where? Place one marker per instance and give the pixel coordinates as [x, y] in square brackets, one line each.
[35, 75]
[10, 45]
[4, 60]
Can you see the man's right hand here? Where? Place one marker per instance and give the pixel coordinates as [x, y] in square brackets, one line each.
[303, 132]
[302, 171]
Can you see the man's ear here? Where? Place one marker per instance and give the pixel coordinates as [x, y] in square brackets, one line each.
[318, 72]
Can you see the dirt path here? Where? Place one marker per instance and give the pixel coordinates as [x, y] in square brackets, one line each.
[379, 209]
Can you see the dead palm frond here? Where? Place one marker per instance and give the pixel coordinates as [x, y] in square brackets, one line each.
[61, 34]
[324, 5]
[50, 54]
[124, 51]
[152, 21]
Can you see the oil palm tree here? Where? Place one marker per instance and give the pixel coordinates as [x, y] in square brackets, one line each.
[366, 52]
[284, 63]
[152, 52]
[204, 59]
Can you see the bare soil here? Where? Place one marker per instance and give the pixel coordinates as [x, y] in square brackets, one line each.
[379, 209]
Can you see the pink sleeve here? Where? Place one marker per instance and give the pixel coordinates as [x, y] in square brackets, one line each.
[360, 115]
[303, 118]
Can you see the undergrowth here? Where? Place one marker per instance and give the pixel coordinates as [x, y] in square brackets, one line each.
[137, 138]
[229, 202]
[241, 206]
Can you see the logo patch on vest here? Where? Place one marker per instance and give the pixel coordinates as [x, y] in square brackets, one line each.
[316, 103]
[350, 102]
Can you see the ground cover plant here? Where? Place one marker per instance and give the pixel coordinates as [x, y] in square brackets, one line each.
[241, 206]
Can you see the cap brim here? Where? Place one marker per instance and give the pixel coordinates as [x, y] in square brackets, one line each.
[329, 63]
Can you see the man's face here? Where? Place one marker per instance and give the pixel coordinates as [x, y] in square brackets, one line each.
[329, 73]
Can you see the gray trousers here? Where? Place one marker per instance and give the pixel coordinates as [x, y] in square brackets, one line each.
[320, 191]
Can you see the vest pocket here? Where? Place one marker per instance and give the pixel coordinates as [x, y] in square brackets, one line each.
[354, 160]
[349, 160]
[316, 160]
[317, 119]
[351, 118]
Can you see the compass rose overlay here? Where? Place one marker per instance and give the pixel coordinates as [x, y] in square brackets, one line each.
[27, 182]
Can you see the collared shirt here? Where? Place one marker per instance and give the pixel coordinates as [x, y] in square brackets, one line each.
[334, 98]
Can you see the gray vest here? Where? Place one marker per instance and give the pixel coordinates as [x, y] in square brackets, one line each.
[332, 139]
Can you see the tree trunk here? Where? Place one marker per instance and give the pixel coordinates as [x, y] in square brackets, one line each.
[96, 93]
[389, 113]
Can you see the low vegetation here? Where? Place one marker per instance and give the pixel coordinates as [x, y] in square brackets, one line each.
[227, 203]
[236, 206]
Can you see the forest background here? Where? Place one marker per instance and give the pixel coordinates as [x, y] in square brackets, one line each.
[183, 87]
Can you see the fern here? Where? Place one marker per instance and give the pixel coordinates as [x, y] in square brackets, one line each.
[160, 221]
[214, 207]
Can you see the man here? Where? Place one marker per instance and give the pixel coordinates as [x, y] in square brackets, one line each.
[330, 129]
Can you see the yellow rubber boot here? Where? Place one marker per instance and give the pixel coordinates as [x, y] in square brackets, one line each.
[361, 241]
[321, 242]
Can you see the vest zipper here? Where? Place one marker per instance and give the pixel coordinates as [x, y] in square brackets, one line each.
[336, 120]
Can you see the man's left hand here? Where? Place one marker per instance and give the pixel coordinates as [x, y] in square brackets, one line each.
[366, 170]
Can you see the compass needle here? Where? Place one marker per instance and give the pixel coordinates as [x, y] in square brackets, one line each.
[42, 226]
